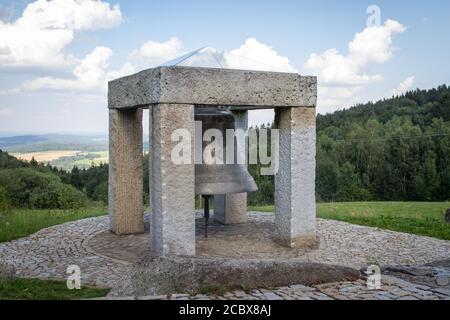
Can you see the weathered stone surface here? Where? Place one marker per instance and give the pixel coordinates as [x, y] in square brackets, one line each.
[295, 205]
[173, 214]
[125, 185]
[435, 274]
[191, 85]
[171, 274]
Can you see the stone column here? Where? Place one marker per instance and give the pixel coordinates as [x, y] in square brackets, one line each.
[150, 152]
[125, 185]
[173, 211]
[232, 208]
[295, 204]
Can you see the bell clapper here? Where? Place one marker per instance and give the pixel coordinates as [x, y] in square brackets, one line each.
[206, 213]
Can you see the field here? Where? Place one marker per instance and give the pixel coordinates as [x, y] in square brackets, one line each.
[423, 218]
[66, 159]
[45, 156]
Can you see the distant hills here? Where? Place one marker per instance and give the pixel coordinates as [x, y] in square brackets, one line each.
[7, 142]
[55, 142]
[46, 142]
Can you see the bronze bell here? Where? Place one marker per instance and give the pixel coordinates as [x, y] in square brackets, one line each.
[223, 178]
[211, 179]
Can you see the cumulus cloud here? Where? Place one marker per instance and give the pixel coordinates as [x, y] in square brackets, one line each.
[91, 74]
[372, 45]
[251, 55]
[254, 55]
[404, 86]
[345, 73]
[154, 53]
[39, 36]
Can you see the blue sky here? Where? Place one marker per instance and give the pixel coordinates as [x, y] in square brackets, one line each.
[55, 82]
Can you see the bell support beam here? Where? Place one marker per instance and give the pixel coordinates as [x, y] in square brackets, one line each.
[295, 205]
[172, 190]
[232, 208]
[125, 185]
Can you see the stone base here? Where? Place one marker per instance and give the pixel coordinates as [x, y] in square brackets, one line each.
[251, 240]
[306, 242]
[171, 274]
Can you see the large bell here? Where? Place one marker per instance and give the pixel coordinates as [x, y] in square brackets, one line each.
[224, 178]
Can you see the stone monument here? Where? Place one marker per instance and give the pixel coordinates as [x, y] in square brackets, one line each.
[171, 93]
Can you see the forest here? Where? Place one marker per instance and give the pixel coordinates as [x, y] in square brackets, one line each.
[393, 149]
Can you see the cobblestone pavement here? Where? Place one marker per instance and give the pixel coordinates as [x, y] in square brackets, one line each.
[48, 253]
[391, 289]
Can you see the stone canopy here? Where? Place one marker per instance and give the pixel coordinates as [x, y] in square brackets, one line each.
[212, 86]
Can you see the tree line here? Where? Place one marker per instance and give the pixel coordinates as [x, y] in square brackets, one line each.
[394, 149]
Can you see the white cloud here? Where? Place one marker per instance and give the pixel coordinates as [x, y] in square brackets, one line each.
[404, 86]
[90, 74]
[38, 37]
[8, 92]
[328, 98]
[341, 76]
[372, 45]
[251, 55]
[254, 55]
[154, 53]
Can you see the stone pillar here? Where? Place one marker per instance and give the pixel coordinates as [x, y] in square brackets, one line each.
[295, 204]
[125, 185]
[232, 208]
[173, 210]
[150, 152]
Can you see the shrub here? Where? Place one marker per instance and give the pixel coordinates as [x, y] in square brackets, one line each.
[5, 203]
[30, 188]
[101, 192]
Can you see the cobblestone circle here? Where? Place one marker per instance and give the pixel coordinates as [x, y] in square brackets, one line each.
[47, 254]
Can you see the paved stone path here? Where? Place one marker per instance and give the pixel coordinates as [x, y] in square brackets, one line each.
[48, 253]
[391, 289]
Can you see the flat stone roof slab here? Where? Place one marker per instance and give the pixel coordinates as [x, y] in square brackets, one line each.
[213, 87]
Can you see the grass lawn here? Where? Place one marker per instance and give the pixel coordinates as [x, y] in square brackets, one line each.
[423, 218]
[35, 289]
[23, 222]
